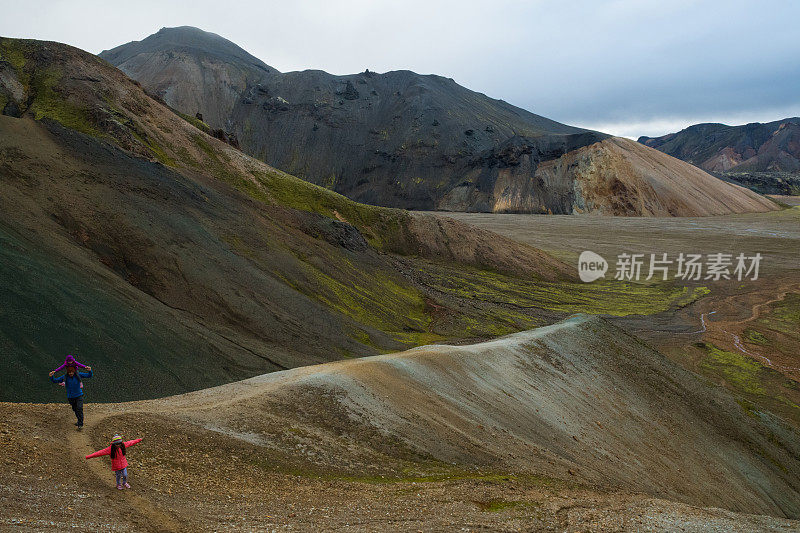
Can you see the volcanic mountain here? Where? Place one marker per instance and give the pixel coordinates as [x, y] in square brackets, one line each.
[136, 239]
[765, 157]
[402, 139]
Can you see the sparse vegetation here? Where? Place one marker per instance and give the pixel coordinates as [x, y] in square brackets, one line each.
[605, 297]
[784, 316]
[740, 372]
[47, 103]
[756, 337]
[196, 122]
[758, 384]
[13, 51]
[158, 151]
[493, 506]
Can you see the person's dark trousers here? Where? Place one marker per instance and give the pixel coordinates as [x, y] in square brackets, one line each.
[77, 406]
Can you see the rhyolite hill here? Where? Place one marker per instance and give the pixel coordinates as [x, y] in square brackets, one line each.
[402, 139]
[764, 157]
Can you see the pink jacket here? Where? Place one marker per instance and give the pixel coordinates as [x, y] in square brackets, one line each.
[119, 462]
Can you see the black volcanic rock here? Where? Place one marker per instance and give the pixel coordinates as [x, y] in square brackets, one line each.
[350, 92]
[209, 72]
[400, 139]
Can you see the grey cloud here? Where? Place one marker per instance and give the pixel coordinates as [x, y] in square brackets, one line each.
[580, 62]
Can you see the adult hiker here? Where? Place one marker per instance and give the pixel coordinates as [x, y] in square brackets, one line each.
[119, 464]
[73, 381]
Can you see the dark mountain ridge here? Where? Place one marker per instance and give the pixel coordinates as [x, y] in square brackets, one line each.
[402, 139]
[764, 157]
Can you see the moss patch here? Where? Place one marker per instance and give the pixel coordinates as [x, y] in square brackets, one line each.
[757, 384]
[48, 103]
[196, 122]
[13, 51]
[430, 472]
[43, 85]
[215, 162]
[157, 150]
[756, 337]
[608, 297]
[784, 315]
[368, 296]
[740, 372]
[493, 506]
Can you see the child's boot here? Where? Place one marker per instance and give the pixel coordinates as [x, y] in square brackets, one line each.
[127, 485]
[119, 487]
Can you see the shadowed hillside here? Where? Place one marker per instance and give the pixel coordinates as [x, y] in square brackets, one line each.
[134, 239]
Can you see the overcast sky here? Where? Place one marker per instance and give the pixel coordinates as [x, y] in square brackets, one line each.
[627, 67]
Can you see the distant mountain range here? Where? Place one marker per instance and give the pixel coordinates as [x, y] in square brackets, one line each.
[402, 139]
[764, 157]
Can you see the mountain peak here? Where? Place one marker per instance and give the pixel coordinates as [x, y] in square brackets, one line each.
[402, 139]
[187, 39]
[188, 54]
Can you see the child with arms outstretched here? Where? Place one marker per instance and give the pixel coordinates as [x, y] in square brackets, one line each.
[119, 464]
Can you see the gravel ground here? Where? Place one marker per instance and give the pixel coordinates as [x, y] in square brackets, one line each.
[188, 478]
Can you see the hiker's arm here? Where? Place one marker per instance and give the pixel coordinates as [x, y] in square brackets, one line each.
[98, 453]
[81, 365]
[59, 379]
[132, 442]
[86, 374]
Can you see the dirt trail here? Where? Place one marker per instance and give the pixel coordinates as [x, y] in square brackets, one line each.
[140, 511]
[756, 309]
[730, 331]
